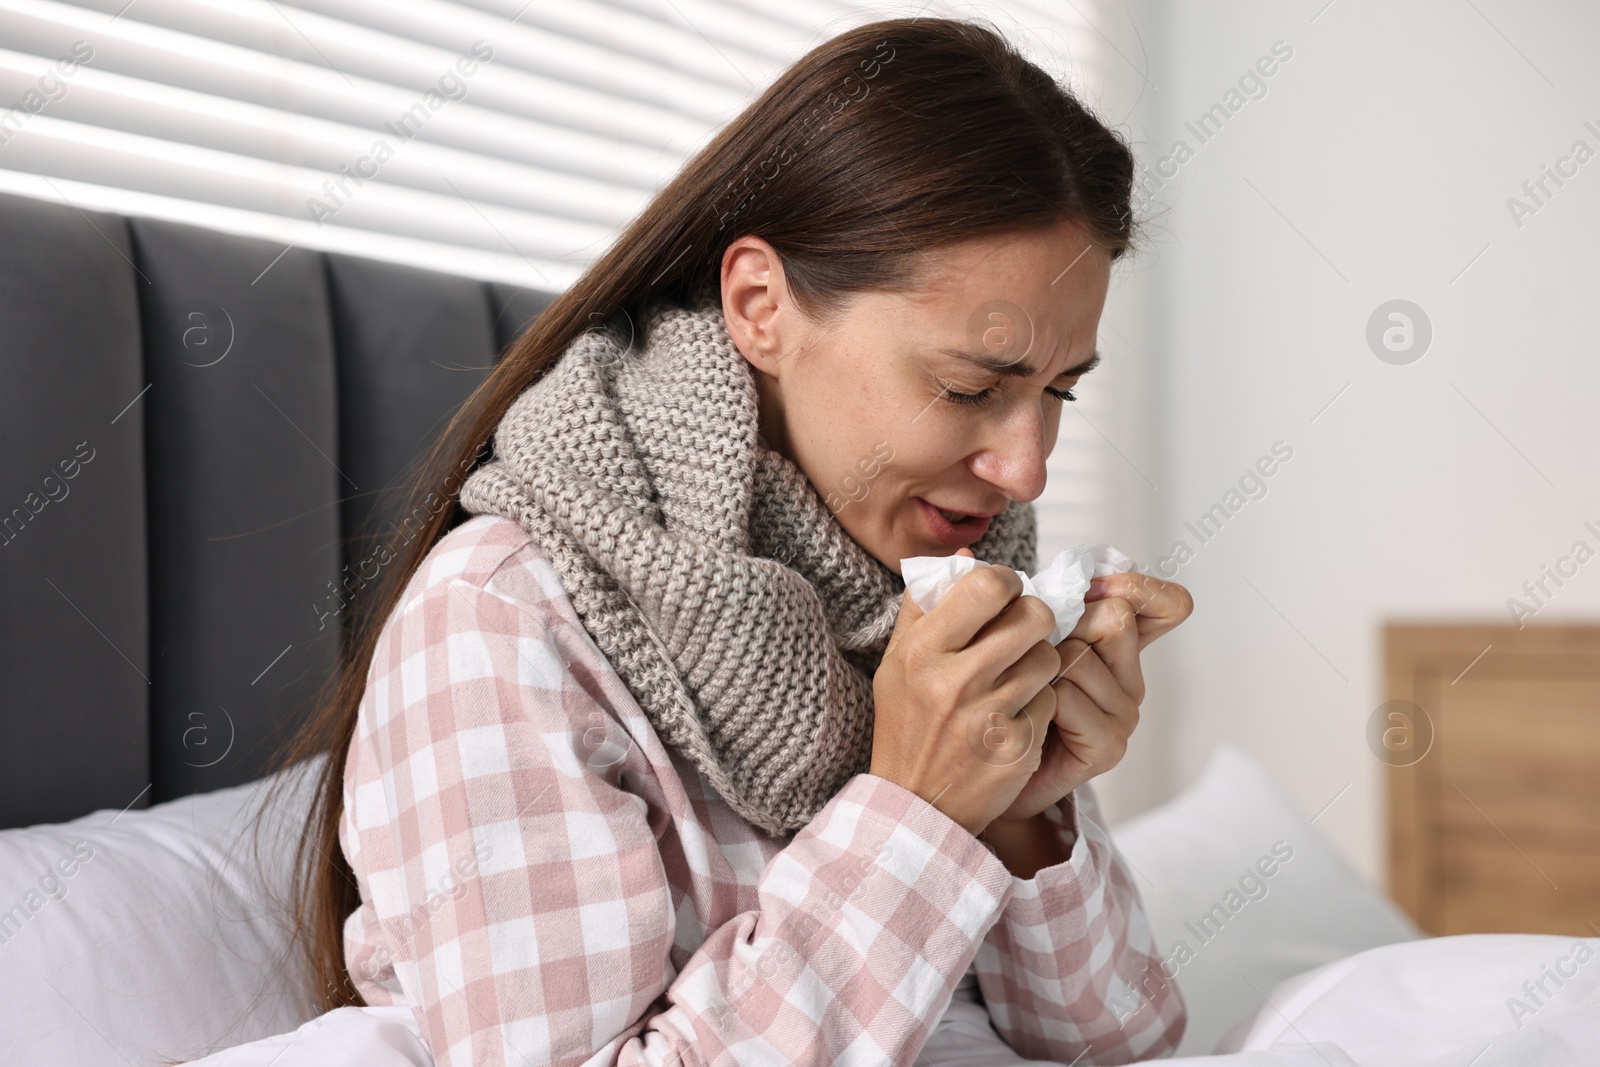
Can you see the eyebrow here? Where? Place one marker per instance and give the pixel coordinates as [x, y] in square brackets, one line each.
[1011, 369]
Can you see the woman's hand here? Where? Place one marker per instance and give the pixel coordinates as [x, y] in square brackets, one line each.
[963, 696]
[1100, 688]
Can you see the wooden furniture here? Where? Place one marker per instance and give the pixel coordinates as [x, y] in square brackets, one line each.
[1496, 827]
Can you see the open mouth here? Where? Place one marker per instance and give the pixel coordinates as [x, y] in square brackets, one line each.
[953, 528]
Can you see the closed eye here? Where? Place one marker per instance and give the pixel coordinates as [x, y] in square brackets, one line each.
[983, 397]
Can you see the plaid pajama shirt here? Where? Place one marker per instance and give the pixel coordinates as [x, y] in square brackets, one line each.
[543, 882]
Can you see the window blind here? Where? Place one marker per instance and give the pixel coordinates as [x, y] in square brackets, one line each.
[502, 139]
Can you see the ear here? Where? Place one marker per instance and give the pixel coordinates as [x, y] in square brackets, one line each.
[755, 303]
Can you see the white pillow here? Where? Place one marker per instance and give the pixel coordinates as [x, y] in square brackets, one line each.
[146, 935]
[1241, 890]
[1491, 1000]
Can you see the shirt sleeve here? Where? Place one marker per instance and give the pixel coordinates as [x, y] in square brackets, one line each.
[1071, 971]
[521, 885]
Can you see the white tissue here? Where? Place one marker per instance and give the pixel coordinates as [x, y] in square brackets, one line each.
[1061, 585]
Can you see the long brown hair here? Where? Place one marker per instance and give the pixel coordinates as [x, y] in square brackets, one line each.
[884, 142]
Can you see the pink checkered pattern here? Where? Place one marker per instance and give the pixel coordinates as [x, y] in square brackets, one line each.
[543, 882]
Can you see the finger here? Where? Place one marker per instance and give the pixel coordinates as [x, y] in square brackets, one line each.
[972, 603]
[910, 612]
[1110, 626]
[1060, 760]
[1039, 713]
[1094, 740]
[1025, 623]
[1082, 667]
[1161, 605]
[1037, 668]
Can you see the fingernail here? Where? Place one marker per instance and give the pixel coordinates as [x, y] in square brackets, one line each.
[1097, 587]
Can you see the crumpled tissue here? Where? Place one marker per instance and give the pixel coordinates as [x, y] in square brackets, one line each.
[1061, 585]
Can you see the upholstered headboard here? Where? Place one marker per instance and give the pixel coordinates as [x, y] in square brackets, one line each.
[196, 436]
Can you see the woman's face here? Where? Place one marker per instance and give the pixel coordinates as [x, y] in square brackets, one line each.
[942, 399]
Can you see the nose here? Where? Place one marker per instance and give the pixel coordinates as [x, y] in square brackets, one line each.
[1012, 458]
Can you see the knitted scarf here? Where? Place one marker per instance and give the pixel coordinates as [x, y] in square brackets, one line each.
[718, 584]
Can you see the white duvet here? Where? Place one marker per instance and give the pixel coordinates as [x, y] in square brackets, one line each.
[1488, 1000]
[1485, 1000]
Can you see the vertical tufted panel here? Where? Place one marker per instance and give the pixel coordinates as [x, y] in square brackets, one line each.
[243, 496]
[74, 647]
[412, 346]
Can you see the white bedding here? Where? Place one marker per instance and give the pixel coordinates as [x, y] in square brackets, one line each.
[1490, 1000]
[1441, 1002]
[137, 937]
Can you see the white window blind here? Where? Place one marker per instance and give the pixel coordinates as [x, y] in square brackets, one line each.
[312, 122]
[517, 138]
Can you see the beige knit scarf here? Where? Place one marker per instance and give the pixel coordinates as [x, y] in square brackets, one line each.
[739, 613]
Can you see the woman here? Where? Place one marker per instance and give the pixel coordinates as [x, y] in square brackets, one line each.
[650, 759]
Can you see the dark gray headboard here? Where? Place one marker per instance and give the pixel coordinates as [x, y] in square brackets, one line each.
[196, 436]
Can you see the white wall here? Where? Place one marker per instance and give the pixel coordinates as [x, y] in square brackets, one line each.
[1377, 166]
